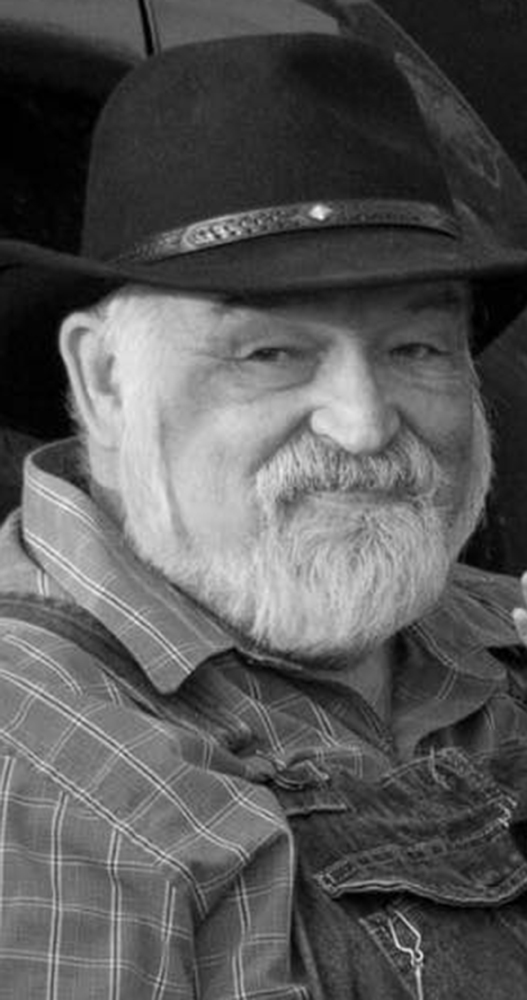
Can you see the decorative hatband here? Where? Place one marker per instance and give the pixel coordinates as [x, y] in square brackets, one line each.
[290, 218]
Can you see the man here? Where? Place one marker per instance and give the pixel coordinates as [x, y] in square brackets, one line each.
[262, 736]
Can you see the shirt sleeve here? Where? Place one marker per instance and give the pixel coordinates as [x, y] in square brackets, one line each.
[134, 863]
[86, 915]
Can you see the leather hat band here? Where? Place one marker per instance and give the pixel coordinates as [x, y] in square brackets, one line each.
[290, 218]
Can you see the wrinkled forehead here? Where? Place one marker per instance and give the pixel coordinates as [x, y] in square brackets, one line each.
[191, 321]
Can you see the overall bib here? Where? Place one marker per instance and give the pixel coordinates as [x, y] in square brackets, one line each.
[416, 885]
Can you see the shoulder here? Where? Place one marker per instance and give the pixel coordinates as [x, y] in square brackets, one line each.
[474, 618]
[37, 656]
[497, 592]
[161, 779]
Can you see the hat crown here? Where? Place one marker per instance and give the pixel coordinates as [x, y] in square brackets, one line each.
[256, 123]
[253, 166]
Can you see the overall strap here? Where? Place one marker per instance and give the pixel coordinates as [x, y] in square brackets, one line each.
[81, 628]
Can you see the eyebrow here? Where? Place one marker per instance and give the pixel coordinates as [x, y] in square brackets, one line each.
[444, 299]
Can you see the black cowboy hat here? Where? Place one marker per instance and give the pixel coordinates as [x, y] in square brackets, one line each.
[267, 164]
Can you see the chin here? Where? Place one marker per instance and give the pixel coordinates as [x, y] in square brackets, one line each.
[317, 587]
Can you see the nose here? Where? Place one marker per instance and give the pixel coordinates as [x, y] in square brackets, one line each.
[352, 406]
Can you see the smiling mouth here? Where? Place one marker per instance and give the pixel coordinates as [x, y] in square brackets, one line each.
[354, 495]
[361, 494]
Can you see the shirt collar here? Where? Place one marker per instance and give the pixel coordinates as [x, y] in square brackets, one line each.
[85, 554]
[473, 617]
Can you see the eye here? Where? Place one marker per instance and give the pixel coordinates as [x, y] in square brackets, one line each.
[276, 365]
[417, 351]
[271, 355]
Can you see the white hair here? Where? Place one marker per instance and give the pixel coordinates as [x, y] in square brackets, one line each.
[128, 321]
[130, 324]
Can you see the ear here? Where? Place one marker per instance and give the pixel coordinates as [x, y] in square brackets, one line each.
[93, 378]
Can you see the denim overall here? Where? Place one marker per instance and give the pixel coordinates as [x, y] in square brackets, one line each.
[416, 885]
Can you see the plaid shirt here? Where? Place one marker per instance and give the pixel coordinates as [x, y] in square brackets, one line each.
[144, 854]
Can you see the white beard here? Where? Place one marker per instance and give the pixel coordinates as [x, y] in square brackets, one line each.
[347, 553]
[341, 578]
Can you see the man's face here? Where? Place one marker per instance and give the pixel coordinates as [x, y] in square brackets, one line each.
[284, 444]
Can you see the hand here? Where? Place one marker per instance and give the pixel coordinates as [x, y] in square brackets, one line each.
[519, 615]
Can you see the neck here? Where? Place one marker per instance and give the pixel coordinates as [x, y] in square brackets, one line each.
[105, 494]
[371, 676]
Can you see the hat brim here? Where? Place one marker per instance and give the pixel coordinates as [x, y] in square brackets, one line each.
[290, 262]
[38, 286]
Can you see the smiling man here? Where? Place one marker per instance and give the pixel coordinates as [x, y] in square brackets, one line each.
[308, 467]
[262, 735]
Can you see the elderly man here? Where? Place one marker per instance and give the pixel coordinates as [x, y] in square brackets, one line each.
[262, 736]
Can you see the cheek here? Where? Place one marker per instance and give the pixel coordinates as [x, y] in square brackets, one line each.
[210, 480]
[444, 421]
[441, 416]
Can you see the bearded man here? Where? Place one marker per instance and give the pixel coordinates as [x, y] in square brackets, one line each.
[262, 735]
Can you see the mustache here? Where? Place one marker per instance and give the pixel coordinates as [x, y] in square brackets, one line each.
[310, 465]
